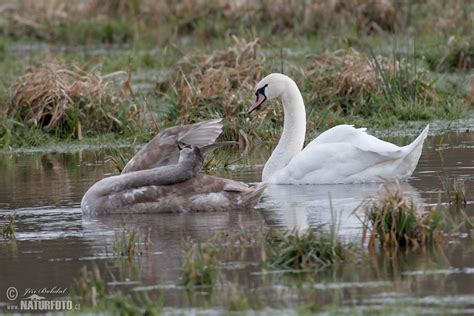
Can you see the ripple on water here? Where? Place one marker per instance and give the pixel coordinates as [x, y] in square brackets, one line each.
[54, 240]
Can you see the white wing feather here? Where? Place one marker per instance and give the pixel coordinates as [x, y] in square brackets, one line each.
[344, 154]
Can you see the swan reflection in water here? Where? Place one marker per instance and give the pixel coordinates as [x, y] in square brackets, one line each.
[309, 206]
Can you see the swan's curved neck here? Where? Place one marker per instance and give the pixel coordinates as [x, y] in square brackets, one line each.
[293, 135]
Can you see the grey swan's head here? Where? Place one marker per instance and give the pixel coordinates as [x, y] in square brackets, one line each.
[191, 158]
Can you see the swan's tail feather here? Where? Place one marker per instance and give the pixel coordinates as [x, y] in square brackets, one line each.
[253, 196]
[418, 142]
[413, 151]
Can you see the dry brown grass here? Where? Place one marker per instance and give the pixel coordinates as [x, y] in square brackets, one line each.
[220, 81]
[193, 16]
[395, 220]
[350, 73]
[54, 94]
[458, 53]
[470, 95]
[348, 79]
[206, 77]
[367, 15]
[163, 20]
[30, 12]
[447, 16]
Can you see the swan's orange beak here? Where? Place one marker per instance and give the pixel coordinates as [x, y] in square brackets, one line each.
[260, 99]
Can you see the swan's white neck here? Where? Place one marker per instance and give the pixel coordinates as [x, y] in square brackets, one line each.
[293, 135]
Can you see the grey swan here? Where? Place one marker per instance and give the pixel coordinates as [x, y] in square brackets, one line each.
[164, 177]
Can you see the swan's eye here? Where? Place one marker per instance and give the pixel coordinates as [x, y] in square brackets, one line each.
[261, 90]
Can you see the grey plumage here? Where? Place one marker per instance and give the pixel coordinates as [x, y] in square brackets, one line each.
[162, 150]
[161, 179]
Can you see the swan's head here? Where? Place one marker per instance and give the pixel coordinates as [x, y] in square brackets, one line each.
[190, 157]
[270, 87]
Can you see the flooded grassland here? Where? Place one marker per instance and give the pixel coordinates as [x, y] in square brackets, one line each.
[85, 83]
[54, 241]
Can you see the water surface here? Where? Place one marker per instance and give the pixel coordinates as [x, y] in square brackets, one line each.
[54, 240]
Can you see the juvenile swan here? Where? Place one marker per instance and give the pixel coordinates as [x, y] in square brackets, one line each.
[175, 184]
[342, 154]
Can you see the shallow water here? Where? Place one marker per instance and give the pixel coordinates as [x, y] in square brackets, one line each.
[54, 240]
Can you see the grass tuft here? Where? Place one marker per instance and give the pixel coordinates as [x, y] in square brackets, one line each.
[457, 54]
[241, 301]
[117, 159]
[200, 264]
[301, 250]
[394, 220]
[351, 83]
[455, 191]
[129, 242]
[65, 99]
[90, 291]
[216, 84]
[8, 231]
[202, 77]
[90, 286]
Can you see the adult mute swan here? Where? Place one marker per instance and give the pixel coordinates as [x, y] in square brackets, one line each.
[164, 177]
[342, 154]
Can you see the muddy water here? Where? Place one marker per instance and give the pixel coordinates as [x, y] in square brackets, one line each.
[54, 240]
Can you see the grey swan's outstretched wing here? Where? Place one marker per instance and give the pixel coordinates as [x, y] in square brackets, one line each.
[163, 150]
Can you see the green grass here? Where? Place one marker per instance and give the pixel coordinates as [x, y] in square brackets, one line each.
[456, 54]
[156, 56]
[129, 242]
[393, 220]
[388, 109]
[90, 291]
[302, 250]
[455, 191]
[200, 264]
[242, 300]
[8, 230]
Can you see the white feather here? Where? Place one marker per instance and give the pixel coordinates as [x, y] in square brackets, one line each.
[342, 154]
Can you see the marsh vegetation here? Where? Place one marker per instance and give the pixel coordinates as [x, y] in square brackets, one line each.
[122, 70]
[114, 73]
[292, 253]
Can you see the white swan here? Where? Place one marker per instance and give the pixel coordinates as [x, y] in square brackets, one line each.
[342, 154]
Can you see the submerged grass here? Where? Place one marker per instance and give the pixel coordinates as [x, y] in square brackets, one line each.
[294, 250]
[8, 230]
[130, 242]
[90, 291]
[455, 191]
[396, 221]
[241, 300]
[200, 264]
[302, 250]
